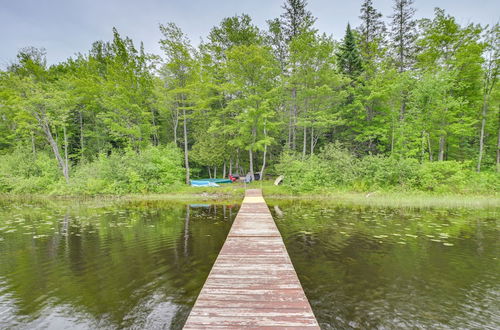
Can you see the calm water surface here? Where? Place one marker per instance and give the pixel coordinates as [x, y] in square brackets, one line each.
[81, 266]
[142, 264]
[384, 268]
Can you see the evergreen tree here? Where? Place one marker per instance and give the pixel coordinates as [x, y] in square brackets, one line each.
[372, 30]
[403, 34]
[296, 18]
[349, 60]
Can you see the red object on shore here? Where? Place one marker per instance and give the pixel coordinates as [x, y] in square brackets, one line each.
[232, 178]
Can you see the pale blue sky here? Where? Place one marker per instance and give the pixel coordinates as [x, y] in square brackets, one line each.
[65, 27]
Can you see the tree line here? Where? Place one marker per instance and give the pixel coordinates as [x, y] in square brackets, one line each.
[393, 86]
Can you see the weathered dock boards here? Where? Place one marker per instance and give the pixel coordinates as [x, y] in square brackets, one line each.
[253, 283]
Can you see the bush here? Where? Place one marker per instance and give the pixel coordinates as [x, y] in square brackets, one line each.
[22, 172]
[375, 172]
[339, 164]
[333, 167]
[444, 176]
[152, 170]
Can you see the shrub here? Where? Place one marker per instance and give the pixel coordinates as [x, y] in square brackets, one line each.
[152, 170]
[444, 176]
[332, 167]
[387, 172]
[23, 172]
[339, 164]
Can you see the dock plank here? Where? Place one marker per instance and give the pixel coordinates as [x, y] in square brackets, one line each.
[252, 284]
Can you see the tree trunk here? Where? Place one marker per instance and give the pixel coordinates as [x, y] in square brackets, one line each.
[81, 133]
[230, 166]
[175, 122]
[209, 172]
[155, 133]
[42, 121]
[481, 137]
[264, 156]
[186, 155]
[442, 144]
[250, 155]
[304, 143]
[66, 162]
[429, 145]
[215, 172]
[402, 110]
[312, 140]
[238, 161]
[294, 117]
[33, 147]
[224, 171]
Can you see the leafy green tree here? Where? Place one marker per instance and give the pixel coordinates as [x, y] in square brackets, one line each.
[491, 71]
[252, 71]
[179, 72]
[455, 52]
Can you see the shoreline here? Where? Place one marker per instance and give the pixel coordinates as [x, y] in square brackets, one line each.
[235, 194]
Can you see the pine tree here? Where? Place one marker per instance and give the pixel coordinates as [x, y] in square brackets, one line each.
[403, 33]
[296, 18]
[372, 30]
[349, 60]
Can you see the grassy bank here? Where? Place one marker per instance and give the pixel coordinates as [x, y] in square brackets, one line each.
[233, 193]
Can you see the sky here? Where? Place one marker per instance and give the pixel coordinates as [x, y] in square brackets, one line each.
[67, 27]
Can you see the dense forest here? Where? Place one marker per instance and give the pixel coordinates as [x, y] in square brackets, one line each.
[396, 102]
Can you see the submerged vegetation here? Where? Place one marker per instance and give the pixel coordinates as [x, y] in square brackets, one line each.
[402, 105]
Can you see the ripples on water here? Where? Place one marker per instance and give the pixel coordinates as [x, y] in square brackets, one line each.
[139, 264]
[386, 268]
[142, 264]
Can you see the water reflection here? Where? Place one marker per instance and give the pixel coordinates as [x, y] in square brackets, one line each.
[365, 267]
[136, 264]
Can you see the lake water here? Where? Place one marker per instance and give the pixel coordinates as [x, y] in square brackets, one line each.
[393, 268]
[138, 264]
[142, 264]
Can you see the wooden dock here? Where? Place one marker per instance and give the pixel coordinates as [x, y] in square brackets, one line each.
[253, 283]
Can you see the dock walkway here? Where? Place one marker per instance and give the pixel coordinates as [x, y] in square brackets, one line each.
[253, 283]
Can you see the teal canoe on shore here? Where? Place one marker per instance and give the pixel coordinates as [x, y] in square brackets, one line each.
[208, 182]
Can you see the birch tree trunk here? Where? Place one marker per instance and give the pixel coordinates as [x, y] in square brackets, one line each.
[304, 142]
[66, 161]
[186, 155]
[250, 155]
[264, 156]
[42, 121]
[481, 136]
[81, 133]
[442, 143]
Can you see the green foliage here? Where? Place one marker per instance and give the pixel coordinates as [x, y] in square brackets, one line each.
[374, 172]
[444, 176]
[22, 172]
[335, 168]
[154, 169]
[397, 102]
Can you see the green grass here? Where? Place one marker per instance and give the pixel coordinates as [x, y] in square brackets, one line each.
[234, 193]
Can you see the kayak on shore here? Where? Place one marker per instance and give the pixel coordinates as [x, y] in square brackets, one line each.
[208, 182]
